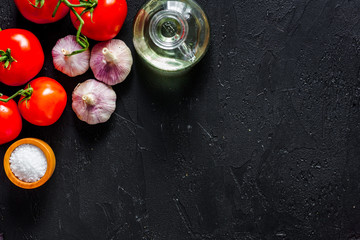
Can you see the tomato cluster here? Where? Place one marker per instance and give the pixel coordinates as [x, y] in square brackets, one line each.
[43, 100]
[102, 23]
[41, 103]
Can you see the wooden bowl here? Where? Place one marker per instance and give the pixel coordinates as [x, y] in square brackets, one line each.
[50, 158]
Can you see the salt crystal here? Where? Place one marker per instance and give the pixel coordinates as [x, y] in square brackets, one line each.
[28, 163]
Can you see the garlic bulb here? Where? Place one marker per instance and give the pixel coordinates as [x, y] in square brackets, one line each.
[93, 101]
[111, 61]
[73, 65]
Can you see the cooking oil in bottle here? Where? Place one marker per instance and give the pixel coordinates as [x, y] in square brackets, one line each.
[171, 36]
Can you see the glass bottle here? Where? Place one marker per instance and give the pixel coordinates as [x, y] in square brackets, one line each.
[171, 36]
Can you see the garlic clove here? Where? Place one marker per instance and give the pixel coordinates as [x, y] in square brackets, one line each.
[93, 102]
[73, 65]
[111, 61]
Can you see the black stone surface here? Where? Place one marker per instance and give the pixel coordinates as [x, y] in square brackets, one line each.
[262, 141]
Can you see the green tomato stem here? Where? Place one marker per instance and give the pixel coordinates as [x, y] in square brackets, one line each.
[89, 6]
[26, 93]
[37, 3]
[56, 8]
[6, 58]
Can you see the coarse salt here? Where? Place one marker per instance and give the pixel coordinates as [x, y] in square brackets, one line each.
[28, 163]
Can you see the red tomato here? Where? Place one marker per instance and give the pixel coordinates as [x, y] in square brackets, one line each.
[108, 18]
[27, 52]
[46, 103]
[41, 14]
[10, 121]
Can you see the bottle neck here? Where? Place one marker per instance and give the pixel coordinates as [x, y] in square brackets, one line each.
[168, 29]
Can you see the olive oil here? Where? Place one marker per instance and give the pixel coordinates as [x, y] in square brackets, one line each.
[171, 36]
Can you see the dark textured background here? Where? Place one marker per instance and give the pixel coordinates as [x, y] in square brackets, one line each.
[262, 142]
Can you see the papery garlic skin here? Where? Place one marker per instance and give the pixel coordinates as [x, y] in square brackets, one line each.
[111, 61]
[70, 65]
[93, 102]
